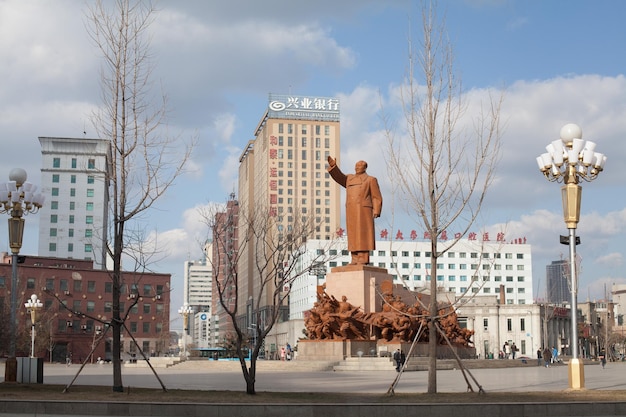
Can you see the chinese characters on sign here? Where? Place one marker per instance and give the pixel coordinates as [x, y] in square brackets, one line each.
[303, 107]
[384, 234]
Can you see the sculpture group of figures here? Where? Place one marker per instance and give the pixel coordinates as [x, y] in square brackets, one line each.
[338, 319]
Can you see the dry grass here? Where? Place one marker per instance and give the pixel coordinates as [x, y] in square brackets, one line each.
[36, 392]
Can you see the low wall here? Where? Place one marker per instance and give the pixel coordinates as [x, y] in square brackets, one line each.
[56, 408]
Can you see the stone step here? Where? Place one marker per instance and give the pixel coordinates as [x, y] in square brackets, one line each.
[354, 364]
[261, 365]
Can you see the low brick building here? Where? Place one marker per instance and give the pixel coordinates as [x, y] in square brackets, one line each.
[77, 305]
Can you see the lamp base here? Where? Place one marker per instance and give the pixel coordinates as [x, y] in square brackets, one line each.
[576, 374]
[10, 370]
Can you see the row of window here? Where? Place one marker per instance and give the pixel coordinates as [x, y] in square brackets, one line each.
[280, 141]
[56, 178]
[54, 205]
[54, 218]
[87, 247]
[303, 129]
[280, 154]
[86, 306]
[54, 192]
[76, 326]
[78, 286]
[54, 232]
[509, 324]
[56, 163]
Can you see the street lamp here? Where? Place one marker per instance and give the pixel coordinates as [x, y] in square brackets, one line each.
[185, 311]
[569, 160]
[33, 304]
[17, 198]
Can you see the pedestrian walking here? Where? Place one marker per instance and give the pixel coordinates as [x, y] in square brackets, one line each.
[603, 358]
[539, 357]
[397, 358]
[547, 357]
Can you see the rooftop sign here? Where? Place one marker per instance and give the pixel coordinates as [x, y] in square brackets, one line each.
[303, 107]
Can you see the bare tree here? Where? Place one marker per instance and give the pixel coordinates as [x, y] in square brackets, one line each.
[443, 170]
[273, 257]
[145, 159]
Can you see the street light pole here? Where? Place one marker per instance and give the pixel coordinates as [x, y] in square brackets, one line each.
[33, 304]
[569, 160]
[17, 198]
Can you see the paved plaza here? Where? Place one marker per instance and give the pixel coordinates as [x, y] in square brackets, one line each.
[207, 375]
[298, 377]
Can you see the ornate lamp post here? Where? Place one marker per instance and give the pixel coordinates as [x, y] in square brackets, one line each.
[569, 160]
[185, 311]
[33, 304]
[18, 198]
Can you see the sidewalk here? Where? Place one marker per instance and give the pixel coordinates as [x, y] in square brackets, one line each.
[274, 376]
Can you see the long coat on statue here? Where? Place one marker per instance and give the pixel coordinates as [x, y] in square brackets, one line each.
[363, 201]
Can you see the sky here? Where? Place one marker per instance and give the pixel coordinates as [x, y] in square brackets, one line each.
[557, 62]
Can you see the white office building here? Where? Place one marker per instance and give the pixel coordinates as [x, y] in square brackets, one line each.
[197, 294]
[471, 267]
[73, 222]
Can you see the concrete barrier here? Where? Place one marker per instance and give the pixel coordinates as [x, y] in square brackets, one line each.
[121, 409]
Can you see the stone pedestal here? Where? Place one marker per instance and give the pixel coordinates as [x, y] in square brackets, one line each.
[361, 284]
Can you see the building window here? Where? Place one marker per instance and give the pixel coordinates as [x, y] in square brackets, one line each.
[76, 305]
[52, 247]
[91, 306]
[72, 205]
[72, 192]
[54, 192]
[70, 232]
[147, 289]
[91, 286]
[509, 325]
[78, 285]
[54, 205]
[71, 219]
[90, 179]
[30, 283]
[108, 306]
[73, 179]
[91, 164]
[90, 192]
[88, 247]
[56, 163]
[486, 324]
[53, 232]
[50, 284]
[522, 324]
[146, 308]
[108, 287]
[89, 219]
[56, 178]
[70, 247]
[146, 329]
[73, 162]
[133, 329]
[88, 232]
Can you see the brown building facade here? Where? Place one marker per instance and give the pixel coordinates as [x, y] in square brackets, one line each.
[77, 307]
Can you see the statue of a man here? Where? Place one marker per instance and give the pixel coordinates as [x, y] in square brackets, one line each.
[363, 204]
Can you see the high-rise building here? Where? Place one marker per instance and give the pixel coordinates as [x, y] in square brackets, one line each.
[225, 247]
[282, 173]
[197, 294]
[557, 279]
[197, 284]
[73, 222]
